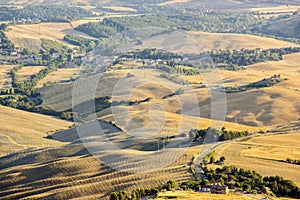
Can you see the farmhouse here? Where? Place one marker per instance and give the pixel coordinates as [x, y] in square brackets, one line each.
[219, 189]
[216, 188]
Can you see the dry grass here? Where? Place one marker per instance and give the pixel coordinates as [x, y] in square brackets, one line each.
[267, 104]
[261, 108]
[121, 9]
[20, 129]
[30, 35]
[276, 9]
[81, 176]
[198, 41]
[5, 77]
[187, 195]
[171, 2]
[265, 154]
[236, 41]
[48, 2]
[26, 72]
[61, 75]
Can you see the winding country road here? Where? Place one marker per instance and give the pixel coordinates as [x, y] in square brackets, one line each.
[208, 148]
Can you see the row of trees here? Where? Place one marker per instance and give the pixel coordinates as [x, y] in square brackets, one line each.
[228, 59]
[86, 44]
[140, 193]
[204, 21]
[23, 102]
[216, 135]
[6, 45]
[43, 13]
[292, 161]
[234, 178]
[234, 58]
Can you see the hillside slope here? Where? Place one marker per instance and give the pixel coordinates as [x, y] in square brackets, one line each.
[21, 130]
[289, 27]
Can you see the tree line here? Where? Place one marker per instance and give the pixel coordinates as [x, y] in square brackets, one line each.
[85, 44]
[295, 161]
[140, 193]
[232, 59]
[237, 179]
[205, 21]
[227, 59]
[6, 45]
[43, 13]
[219, 135]
[253, 182]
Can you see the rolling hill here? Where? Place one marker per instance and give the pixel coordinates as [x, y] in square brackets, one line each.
[289, 27]
[23, 130]
[264, 153]
[219, 4]
[198, 41]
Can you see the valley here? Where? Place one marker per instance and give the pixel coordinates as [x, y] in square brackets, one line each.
[119, 99]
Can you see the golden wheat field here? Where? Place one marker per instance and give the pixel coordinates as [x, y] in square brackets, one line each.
[265, 154]
[5, 77]
[21, 130]
[60, 75]
[26, 72]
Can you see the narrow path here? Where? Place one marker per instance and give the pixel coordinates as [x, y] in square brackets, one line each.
[12, 141]
[211, 148]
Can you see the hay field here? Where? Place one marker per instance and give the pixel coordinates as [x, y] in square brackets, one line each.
[265, 154]
[282, 8]
[172, 2]
[47, 2]
[267, 104]
[197, 41]
[265, 110]
[261, 108]
[5, 77]
[30, 35]
[187, 195]
[236, 41]
[61, 75]
[26, 72]
[120, 9]
[21, 130]
[69, 172]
